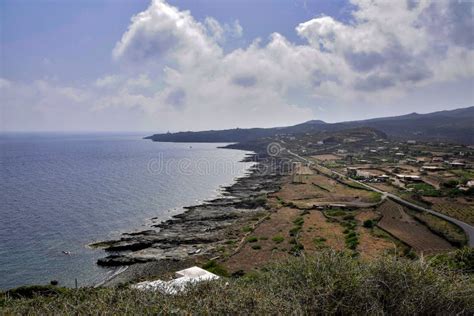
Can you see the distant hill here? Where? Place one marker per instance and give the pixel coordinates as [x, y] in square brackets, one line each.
[453, 126]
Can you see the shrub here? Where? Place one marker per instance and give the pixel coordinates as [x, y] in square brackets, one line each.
[256, 247]
[278, 239]
[424, 189]
[247, 229]
[368, 223]
[330, 283]
[214, 267]
[299, 221]
[335, 213]
[252, 239]
[294, 231]
[461, 259]
[31, 291]
[348, 217]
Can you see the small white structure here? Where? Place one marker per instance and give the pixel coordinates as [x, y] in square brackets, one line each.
[432, 168]
[408, 177]
[183, 279]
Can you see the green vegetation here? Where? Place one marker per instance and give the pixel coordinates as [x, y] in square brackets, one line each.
[247, 229]
[255, 202]
[350, 235]
[368, 223]
[321, 187]
[214, 267]
[278, 239]
[450, 184]
[320, 242]
[331, 283]
[461, 260]
[464, 174]
[299, 221]
[356, 185]
[256, 247]
[424, 189]
[439, 226]
[375, 197]
[31, 291]
[335, 213]
[251, 239]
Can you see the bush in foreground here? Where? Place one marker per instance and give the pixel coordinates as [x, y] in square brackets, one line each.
[330, 283]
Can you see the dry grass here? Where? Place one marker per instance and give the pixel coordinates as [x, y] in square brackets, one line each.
[458, 208]
[447, 230]
[319, 190]
[330, 284]
[279, 224]
[404, 227]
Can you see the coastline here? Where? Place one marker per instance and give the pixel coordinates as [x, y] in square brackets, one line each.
[194, 236]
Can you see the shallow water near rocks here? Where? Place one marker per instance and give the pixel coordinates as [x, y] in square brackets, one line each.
[60, 192]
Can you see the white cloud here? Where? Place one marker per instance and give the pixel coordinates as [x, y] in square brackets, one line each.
[182, 78]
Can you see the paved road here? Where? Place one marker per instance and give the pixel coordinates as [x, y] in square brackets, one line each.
[468, 229]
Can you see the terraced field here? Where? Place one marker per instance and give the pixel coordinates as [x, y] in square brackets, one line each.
[270, 241]
[458, 208]
[404, 227]
[320, 190]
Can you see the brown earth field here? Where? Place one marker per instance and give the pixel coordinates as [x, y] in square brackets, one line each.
[404, 227]
[370, 245]
[318, 233]
[318, 189]
[459, 208]
[385, 187]
[327, 157]
[270, 241]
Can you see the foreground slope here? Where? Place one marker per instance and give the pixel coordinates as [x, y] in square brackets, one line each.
[330, 283]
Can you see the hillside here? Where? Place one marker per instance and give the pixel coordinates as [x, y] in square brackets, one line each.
[330, 284]
[453, 126]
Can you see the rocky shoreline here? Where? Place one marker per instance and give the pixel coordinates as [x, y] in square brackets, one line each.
[195, 235]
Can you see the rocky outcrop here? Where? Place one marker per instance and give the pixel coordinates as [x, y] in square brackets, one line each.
[201, 228]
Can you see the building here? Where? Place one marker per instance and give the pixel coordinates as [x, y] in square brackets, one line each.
[432, 168]
[184, 278]
[457, 164]
[408, 178]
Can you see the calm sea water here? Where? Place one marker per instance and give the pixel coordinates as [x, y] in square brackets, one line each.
[60, 192]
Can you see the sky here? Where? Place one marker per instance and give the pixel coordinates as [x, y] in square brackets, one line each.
[140, 65]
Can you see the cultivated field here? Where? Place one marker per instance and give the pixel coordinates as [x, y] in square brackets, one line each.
[370, 245]
[327, 157]
[459, 208]
[404, 227]
[319, 233]
[270, 241]
[309, 190]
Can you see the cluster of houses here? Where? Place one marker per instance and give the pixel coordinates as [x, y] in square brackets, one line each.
[366, 175]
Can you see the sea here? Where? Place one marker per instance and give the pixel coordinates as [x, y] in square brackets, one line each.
[60, 192]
